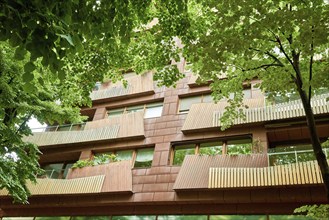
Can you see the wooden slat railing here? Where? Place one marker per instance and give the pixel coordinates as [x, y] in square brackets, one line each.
[276, 112]
[123, 126]
[92, 184]
[201, 115]
[136, 84]
[282, 175]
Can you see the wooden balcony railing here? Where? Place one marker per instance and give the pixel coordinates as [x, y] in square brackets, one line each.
[118, 175]
[207, 115]
[92, 184]
[124, 126]
[138, 84]
[281, 175]
[201, 115]
[194, 173]
[286, 110]
[114, 177]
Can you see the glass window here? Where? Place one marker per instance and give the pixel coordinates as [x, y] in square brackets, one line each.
[153, 110]
[17, 218]
[54, 171]
[115, 112]
[207, 98]
[144, 157]
[124, 155]
[246, 93]
[90, 218]
[213, 148]
[66, 169]
[239, 146]
[289, 217]
[181, 151]
[64, 128]
[185, 103]
[237, 217]
[136, 108]
[281, 155]
[52, 218]
[134, 217]
[182, 217]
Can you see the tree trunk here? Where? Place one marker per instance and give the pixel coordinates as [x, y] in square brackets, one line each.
[317, 149]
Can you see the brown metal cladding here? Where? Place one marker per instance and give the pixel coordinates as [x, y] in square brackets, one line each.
[118, 175]
[194, 173]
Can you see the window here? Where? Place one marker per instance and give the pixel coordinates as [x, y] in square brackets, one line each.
[292, 154]
[230, 147]
[186, 103]
[144, 157]
[151, 110]
[57, 170]
[140, 157]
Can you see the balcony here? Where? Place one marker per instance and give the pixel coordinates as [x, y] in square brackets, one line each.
[113, 178]
[194, 173]
[129, 125]
[243, 171]
[282, 175]
[136, 85]
[207, 115]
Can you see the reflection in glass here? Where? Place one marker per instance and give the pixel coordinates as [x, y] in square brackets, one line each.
[144, 157]
[181, 151]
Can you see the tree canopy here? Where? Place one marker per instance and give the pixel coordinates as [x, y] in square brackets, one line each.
[53, 52]
[282, 43]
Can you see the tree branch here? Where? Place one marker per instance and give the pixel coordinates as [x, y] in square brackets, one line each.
[311, 69]
[287, 57]
[264, 66]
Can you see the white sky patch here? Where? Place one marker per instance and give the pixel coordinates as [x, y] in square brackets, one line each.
[35, 125]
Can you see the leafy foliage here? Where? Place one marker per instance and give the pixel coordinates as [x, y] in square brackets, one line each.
[97, 160]
[314, 211]
[20, 98]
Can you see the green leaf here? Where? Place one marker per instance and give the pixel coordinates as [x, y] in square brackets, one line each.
[28, 76]
[29, 67]
[20, 53]
[68, 38]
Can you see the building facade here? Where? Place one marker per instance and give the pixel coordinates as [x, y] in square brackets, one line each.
[173, 161]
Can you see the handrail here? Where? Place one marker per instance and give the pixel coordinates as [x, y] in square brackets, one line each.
[55, 128]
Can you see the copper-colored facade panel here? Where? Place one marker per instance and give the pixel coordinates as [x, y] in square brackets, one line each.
[194, 173]
[118, 175]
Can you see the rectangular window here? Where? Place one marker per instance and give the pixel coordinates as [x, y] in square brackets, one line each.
[186, 102]
[144, 157]
[151, 110]
[57, 170]
[140, 157]
[281, 155]
[212, 148]
[181, 151]
[243, 146]
[220, 147]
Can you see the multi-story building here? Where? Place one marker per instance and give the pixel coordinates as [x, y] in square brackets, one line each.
[174, 162]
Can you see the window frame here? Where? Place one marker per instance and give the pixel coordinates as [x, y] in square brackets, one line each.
[197, 146]
[133, 156]
[128, 109]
